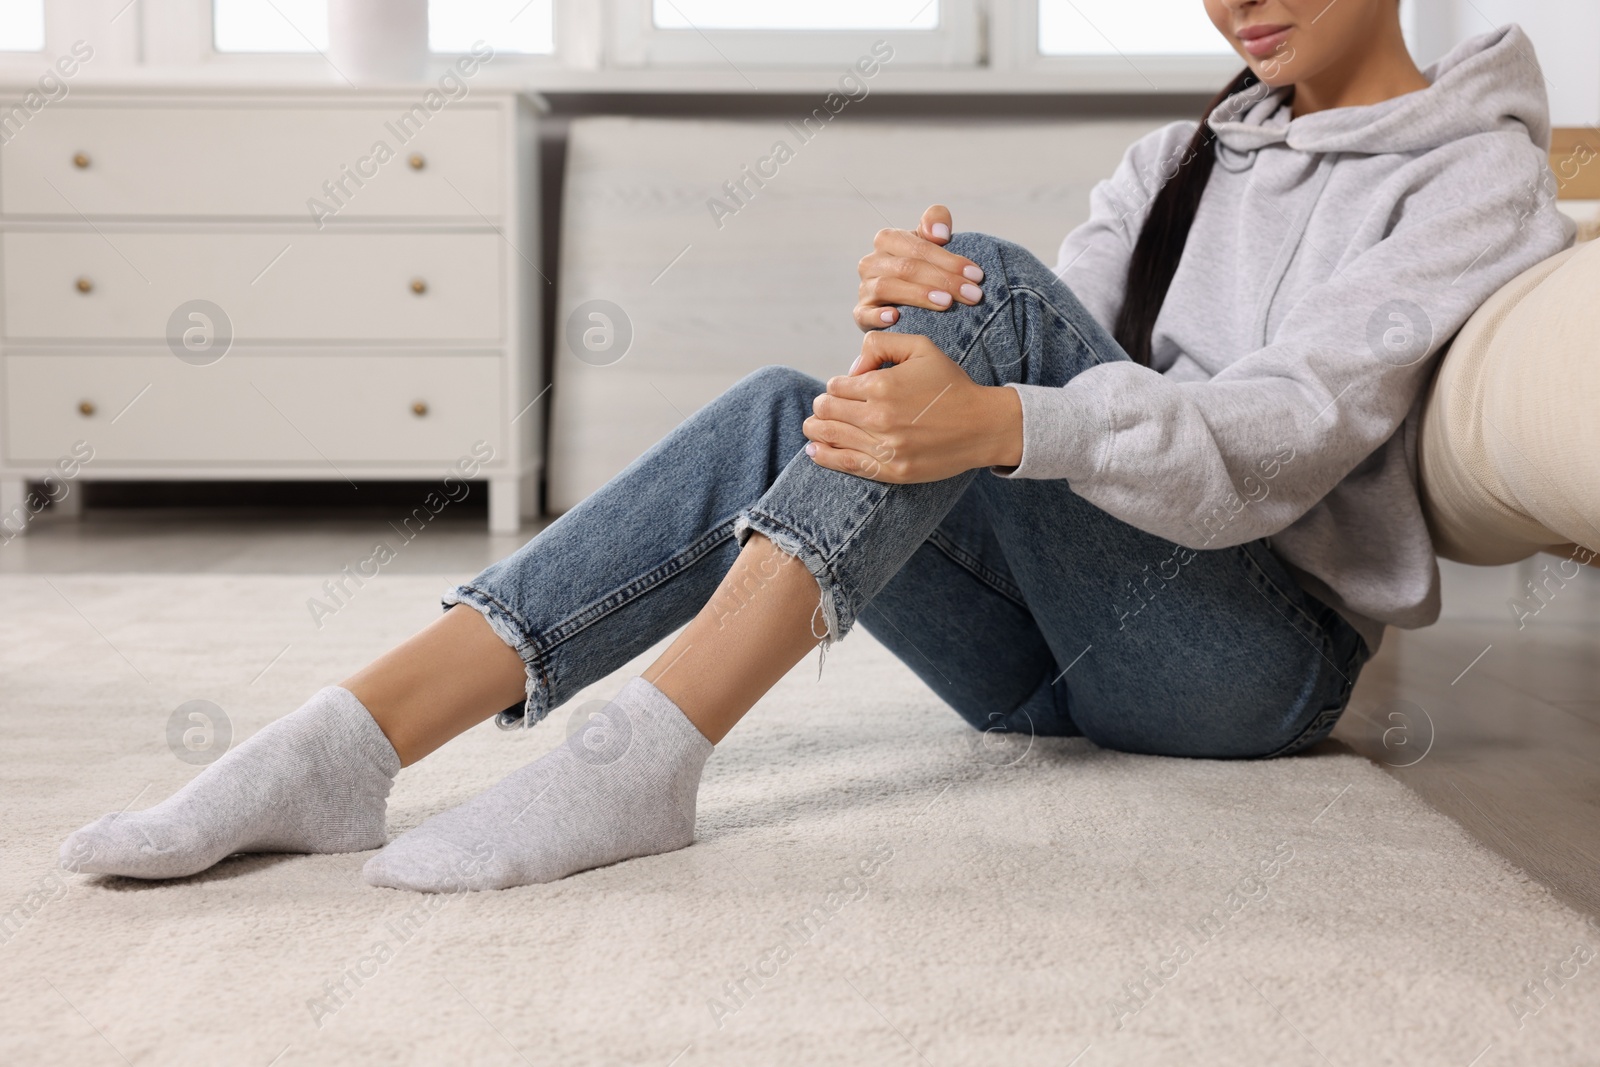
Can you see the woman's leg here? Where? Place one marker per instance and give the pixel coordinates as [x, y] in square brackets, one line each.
[984, 585]
[956, 617]
[597, 587]
[1174, 652]
[625, 784]
[442, 681]
[852, 535]
[629, 565]
[587, 805]
[762, 619]
[680, 517]
[760, 622]
[1141, 644]
[316, 780]
[457, 672]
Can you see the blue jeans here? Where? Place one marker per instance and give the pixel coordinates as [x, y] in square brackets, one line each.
[1023, 606]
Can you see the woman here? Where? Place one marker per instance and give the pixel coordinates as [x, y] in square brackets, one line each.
[1162, 497]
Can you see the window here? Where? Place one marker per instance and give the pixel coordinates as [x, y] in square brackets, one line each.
[724, 34]
[22, 26]
[524, 26]
[270, 25]
[1116, 27]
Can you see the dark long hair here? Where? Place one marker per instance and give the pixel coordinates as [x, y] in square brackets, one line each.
[1165, 231]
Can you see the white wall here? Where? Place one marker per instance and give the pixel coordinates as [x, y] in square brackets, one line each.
[1565, 33]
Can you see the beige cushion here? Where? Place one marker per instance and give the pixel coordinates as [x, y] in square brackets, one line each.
[1510, 447]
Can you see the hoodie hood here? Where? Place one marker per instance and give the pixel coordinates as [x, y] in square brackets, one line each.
[1320, 278]
[1488, 83]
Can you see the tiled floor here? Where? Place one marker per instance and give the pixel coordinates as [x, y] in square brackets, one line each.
[1498, 726]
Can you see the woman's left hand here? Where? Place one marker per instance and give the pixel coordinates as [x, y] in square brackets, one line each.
[919, 419]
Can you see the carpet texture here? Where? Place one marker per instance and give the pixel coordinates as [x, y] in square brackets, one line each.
[872, 884]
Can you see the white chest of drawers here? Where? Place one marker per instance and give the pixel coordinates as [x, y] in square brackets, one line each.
[271, 283]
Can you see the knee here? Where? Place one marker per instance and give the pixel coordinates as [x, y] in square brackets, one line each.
[1002, 261]
[1023, 304]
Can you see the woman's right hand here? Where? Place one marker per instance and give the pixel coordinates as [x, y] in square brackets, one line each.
[911, 268]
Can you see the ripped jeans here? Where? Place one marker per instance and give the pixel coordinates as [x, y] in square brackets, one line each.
[1021, 605]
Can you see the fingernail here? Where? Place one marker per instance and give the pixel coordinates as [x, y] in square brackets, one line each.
[854, 365]
[940, 297]
[973, 272]
[972, 292]
[811, 448]
[887, 315]
[941, 231]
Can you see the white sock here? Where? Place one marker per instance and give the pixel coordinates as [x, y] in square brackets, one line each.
[316, 780]
[615, 790]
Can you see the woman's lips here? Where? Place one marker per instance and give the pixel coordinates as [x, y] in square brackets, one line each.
[1261, 44]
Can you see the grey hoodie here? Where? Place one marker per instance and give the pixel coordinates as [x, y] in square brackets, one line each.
[1331, 259]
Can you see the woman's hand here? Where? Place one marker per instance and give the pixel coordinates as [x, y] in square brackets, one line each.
[909, 267]
[920, 419]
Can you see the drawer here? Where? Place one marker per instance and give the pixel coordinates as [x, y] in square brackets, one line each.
[272, 286]
[251, 161]
[315, 411]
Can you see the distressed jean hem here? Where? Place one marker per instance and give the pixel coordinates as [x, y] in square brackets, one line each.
[506, 626]
[837, 609]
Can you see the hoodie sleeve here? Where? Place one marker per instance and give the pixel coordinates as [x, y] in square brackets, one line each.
[1094, 257]
[1245, 454]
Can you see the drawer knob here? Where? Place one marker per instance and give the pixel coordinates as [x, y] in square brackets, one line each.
[419, 286]
[86, 408]
[419, 409]
[85, 285]
[417, 162]
[80, 161]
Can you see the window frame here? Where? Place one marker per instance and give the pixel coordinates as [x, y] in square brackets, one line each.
[634, 41]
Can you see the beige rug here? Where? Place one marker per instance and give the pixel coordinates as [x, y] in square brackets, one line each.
[870, 886]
